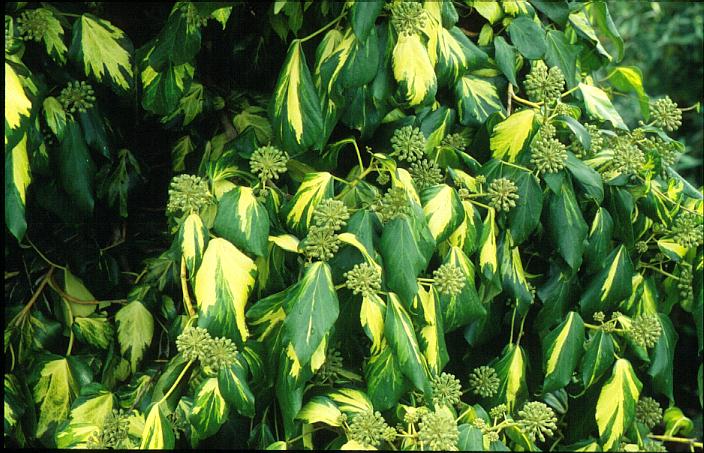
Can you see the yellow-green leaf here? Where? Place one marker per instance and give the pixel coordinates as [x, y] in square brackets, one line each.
[320, 409]
[158, 433]
[350, 401]
[510, 135]
[599, 106]
[615, 409]
[299, 211]
[242, 220]
[53, 393]
[432, 334]
[563, 348]
[488, 260]
[511, 369]
[16, 102]
[55, 116]
[460, 309]
[209, 409]
[74, 287]
[223, 283]
[371, 316]
[476, 100]
[135, 327]
[286, 242]
[413, 71]
[443, 210]
[193, 238]
[17, 179]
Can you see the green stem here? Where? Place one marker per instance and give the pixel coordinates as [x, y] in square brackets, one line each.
[485, 206]
[305, 434]
[344, 181]
[681, 440]
[526, 101]
[319, 31]
[513, 320]
[70, 343]
[691, 107]
[48, 261]
[20, 316]
[175, 384]
[184, 289]
[665, 273]
[570, 91]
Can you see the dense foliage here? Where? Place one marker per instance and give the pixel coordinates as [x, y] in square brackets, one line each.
[361, 224]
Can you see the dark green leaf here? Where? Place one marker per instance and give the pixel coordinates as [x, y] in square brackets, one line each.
[528, 37]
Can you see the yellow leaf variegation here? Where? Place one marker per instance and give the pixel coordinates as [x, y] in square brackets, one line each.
[320, 409]
[371, 316]
[286, 242]
[54, 391]
[511, 369]
[158, 433]
[432, 335]
[299, 211]
[488, 261]
[193, 237]
[510, 135]
[223, 283]
[135, 327]
[17, 104]
[402, 178]
[17, 179]
[443, 210]
[615, 409]
[350, 401]
[413, 71]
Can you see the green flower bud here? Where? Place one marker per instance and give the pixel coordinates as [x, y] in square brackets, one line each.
[537, 420]
[628, 158]
[446, 390]
[641, 246]
[408, 143]
[77, 96]
[498, 411]
[666, 152]
[655, 446]
[368, 428]
[438, 431]
[479, 423]
[503, 194]
[383, 178]
[548, 154]
[220, 353]
[394, 204]
[33, 23]
[192, 343]
[492, 436]
[648, 412]
[426, 173]
[449, 279]
[484, 382]
[544, 85]
[455, 141]
[331, 213]
[684, 283]
[268, 162]
[188, 193]
[645, 330]
[408, 17]
[321, 243]
[363, 278]
[599, 316]
[665, 114]
[330, 371]
[114, 430]
[596, 140]
[688, 229]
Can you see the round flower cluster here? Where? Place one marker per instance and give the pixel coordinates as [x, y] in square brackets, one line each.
[665, 114]
[537, 420]
[446, 389]
[484, 381]
[331, 214]
[383, 178]
[645, 330]
[394, 204]
[648, 412]
[544, 85]
[219, 353]
[330, 371]
[413, 414]
[628, 158]
[426, 173]
[114, 430]
[684, 282]
[408, 143]
[548, 154]
[438, 431]
[641, 246]
[688, 230]
[33, 23]
[596, 140]
[369, 428]
[77, 96]
[666, 152]
[449, 279]
[503, 194]
[321, 243]
[498, 411]
[455, 141]
[267, 162]
[408, 17]
[363, 278]
[188, 193]
[192, 342]
[654, 446]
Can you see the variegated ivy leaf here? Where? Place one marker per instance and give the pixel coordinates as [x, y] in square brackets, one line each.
[611, 284]
[299, 211]
[511, 369]
[242, 220]
[413, 71]
[513, 277]
[232, 382]
[95, 331]
[476, 100]
[371, 317]
[223, 284]
[158, 431]
[615, 409]
[162, 89]
[17, 179]
[74, 287]
[599, 106]
[320, 409]
[104, 50]
[459, 309]
[350, 401]
[431, 336]
[210, 410]
[55, 116]
[385, 380]
[53, 36]
[562, 350]
[88, 413]
[135, 328]
[598, 357]
[510, 135]
[179, 41]
[488, 252]
[17, 105]
[443, 210]
[297, 119]
[193, 239]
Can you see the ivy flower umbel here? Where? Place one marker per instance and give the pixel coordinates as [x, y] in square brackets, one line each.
[33, 23]
[395, 203]
[596, 141]
[331, 213]
[498, 411]
[645, 330]
[193, 342]
[220, 353]
[321, 243]
[548, 154]
[503, 194]
[484, 381]
[628, 158]
[648, 412]
[666, 152]
[77, 96]
[455, 141]
[408, 17]
[408, 143]
[544, 85]
[114, 430]
[688, 229]
[363, 278]
[684, 282]
[267, 162]
[665, 114]
[426, 173]
[188, 193]
[449, 279]
[330, 370]
[446, 389]
[438, 430]
[537, 420]
[368, 428]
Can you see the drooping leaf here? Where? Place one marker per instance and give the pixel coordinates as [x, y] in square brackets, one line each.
[385, 380]
[431, 336]
[610, 285]
[662, 359]
[511, 370]
[510, 135]
[76, 170]
[178, 42]
[568, 229]
[371, 317]
[299, 211]
[363, 14]
[17, 104]
[599, 240]
[629, 79]
[17, 179]
[615, 409]
[598, 357]
[458, 310]
[506, 59]
[193, 239]
[135, 328]
[443, 210]
[528, 37]
[563, 54]
[158, 431]
[563, 349]
[413, 70]
[210, 410]
[599, 105]
[162, 90]
[242, 220]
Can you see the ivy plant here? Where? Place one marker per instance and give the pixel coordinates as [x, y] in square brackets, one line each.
[414, 225]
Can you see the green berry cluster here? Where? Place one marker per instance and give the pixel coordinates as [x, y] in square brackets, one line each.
[267, 162]
[383, 178]
[666, 152]
[33, 23]
[596, 140]
[438, 431]
[321, 243]
[628, 157]
[408, 143]
[665, 114]
[484, 381]
[503, 194]
[77, 97]
[449, 279]
[653, 446]
[394, 204]
[537, 420]
[498, 411]
[645, 330]
[331, 214]
[684, 282]
[446, 389]
[329, 372]
[195, 343]
[426, 173]
[648, 412]
[188, 193]
[369, 428]
[408, 17]
[688, 229]
[641, 247]
[113, 432]
[544, 85]
[363, 278]
[455, 141]
[548, 154]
